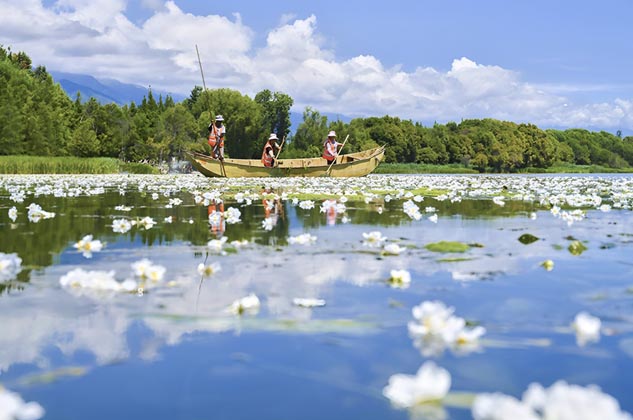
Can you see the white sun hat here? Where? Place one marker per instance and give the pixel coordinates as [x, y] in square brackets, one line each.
[331, 134]
[273, 136]
[219, 118]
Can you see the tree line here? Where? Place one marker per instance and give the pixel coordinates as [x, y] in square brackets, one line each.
[38, 118]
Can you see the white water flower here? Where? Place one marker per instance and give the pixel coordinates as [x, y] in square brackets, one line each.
[146, 222]
[121, 226]
[605, 208]
[10, 266]
[548, 265]
[207, 270]
[215, 218]
[573, 402]
[430, 209]
[13, 213]
[499, 406]
[87, 246]
[96, 280]
[168, 219]
[18, 196]
[306, 204]
[268, 223]
[433, 317]
[36, 213]
[154, 196]
[393, 249]
[146, 270]
[399, 278]
[429, 385]
[303, 239]
[155, 273]
[249, 304]
[560, 401]
[433, 218]
[411, 210]
[373, 239]
[13, 407]
[216, 245]
[123, 208]
[308, 302]
[232, 215]
[435, 328]
[499, 200]
[587, 328]
[239, 244]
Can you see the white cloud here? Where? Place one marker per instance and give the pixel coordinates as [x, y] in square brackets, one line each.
[95, 37]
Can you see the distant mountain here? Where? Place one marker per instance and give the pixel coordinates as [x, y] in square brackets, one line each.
[105, 90]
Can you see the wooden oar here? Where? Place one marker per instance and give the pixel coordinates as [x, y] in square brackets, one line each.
[210, 113]
[337, 155]
[279, 151]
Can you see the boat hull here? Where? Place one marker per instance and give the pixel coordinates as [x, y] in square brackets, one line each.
[350, 165]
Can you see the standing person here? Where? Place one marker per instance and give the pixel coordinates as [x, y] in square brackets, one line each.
[330, 148]
[268, 154]
[217, 131]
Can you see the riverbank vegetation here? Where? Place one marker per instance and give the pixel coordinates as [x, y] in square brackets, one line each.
[37, 118]
[70, 165]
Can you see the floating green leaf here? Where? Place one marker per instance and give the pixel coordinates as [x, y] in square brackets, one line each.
[476, 245]
[462, 400]
[447, 246]
[455, 259]
[527, 239]
[53, 375]
[576, 248]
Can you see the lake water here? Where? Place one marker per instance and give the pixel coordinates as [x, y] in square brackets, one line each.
[174, 344]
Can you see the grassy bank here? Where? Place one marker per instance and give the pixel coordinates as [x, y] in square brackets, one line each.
[577, 169]
[69, 165]
[420, 168]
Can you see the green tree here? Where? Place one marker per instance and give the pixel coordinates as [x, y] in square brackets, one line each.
[83, 141]
[310, 135]
[275, 112]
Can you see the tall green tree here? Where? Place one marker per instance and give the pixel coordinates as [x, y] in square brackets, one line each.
[275, 112]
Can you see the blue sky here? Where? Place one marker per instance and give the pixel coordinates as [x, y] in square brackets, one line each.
[553, 63]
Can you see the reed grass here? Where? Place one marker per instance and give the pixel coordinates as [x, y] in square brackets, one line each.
[422, 168]
[69, 165]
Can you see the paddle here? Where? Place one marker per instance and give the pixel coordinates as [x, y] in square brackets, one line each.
[338, 154]
[209, 106]
[279, 151]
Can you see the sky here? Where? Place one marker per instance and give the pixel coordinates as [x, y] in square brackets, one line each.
[554, 63]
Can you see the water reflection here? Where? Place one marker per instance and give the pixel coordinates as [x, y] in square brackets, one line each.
[349, 347]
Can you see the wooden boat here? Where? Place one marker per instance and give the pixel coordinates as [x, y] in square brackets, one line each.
[350, 165]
